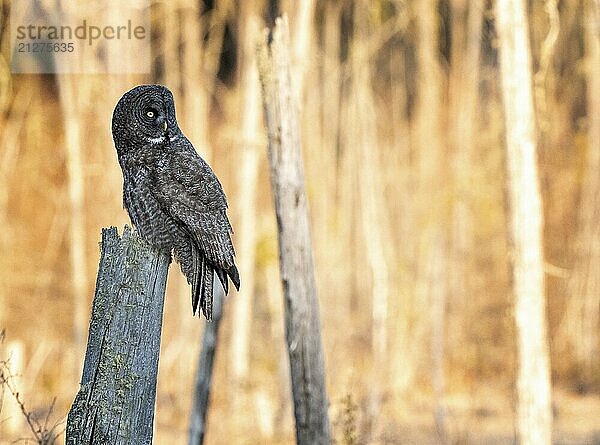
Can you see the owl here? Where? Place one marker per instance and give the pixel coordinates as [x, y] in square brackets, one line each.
[173, 197]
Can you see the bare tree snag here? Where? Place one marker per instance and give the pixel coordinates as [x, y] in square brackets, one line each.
[241, 311]
[579, 333]
[76, 188]
[9, 154]
[204, 371]
[534, 413]
[115, 403]
[302, 323]
[431, 272]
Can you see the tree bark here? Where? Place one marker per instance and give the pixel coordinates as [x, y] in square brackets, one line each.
[10, 149]
[76, 188]
[534, 415]
[204, 371]
[463, 89]
[241, 315]
[115, 403]
[431, 281]
[373, 221]
[195, 82]
[581, 320]
[303, 327]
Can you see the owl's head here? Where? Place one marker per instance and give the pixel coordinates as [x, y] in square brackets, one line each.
[145, 115]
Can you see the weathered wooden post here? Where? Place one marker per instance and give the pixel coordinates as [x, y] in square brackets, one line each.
[115, 404]
[302, 322]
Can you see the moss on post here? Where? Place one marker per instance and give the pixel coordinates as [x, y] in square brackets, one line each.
[115, 403]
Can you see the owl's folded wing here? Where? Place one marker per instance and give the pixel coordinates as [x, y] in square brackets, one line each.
[194, 198]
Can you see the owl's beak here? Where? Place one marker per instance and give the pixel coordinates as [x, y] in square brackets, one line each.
[165, 125]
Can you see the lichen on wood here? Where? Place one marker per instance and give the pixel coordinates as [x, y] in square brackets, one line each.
[115, 403]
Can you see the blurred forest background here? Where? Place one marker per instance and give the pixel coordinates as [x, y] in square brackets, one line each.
[404, 151]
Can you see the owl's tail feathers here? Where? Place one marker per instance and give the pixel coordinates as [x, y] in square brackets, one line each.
[233, 274]
[206, 299]
[202, 287]
[195, 279]
[202, 284]
[195, 294]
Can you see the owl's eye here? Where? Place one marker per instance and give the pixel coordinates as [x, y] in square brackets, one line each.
[151, 114]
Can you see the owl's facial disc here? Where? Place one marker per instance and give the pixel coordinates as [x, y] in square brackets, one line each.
[145, 114]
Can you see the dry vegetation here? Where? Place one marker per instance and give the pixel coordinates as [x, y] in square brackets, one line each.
[404, 151]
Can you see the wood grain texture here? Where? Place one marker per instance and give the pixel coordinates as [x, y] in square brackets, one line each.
[115, 403]
[302, 320]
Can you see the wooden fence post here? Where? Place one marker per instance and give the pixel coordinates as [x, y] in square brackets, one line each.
[115, 403]
[302, 322]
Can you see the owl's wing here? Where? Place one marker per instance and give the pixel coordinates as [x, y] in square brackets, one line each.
[193, 196]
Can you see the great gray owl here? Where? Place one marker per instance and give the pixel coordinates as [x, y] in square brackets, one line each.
[171, 194]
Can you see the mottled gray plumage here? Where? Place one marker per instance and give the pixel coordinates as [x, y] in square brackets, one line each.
[171, 194]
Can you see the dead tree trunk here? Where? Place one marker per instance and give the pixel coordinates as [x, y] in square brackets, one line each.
[204, 371]
[302, 323]
[241, 312]
[76, 189]
[534, 410]
[115, 403]
[581, 319]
